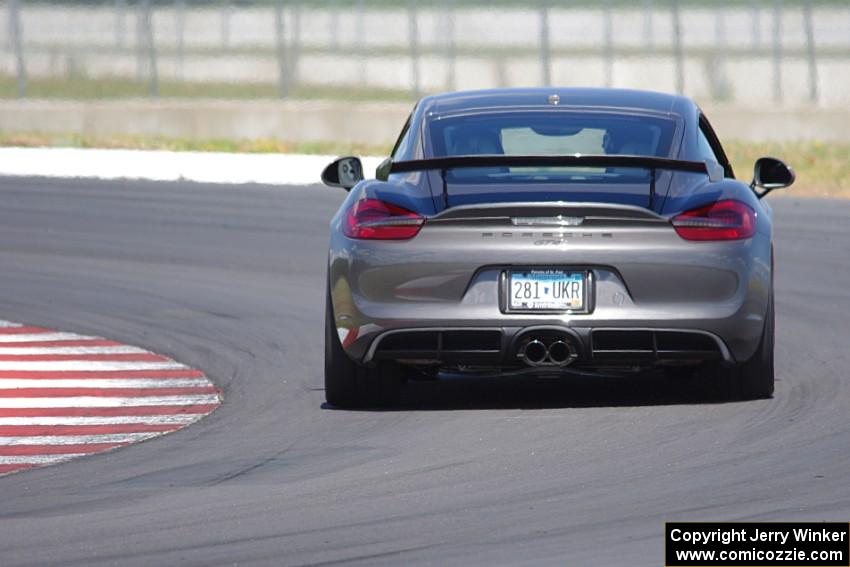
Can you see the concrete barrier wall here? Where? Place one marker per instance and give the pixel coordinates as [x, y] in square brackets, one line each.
[369, 123]
[742, 80]
[329, 121]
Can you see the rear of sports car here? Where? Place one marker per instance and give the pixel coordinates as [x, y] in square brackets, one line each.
[544, 270]
[552, 286]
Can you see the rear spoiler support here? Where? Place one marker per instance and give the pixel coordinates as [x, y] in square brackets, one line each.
[652, 171]
[443, 173]
[444, 164]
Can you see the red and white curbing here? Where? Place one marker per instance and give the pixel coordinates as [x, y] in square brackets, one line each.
[64, 395]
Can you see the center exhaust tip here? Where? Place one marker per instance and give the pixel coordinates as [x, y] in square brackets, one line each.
[560, 353]
[535, 352]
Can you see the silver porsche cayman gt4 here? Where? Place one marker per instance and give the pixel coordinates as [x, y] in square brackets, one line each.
[550, 231]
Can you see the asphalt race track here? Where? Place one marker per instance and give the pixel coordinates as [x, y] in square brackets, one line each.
[230, 279]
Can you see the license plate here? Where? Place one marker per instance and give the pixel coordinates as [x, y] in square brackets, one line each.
[546, 290]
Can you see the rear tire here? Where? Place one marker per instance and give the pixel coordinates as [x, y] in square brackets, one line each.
[754, 379]
[352, 385]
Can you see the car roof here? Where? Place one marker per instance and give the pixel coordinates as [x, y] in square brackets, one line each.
[625, 99]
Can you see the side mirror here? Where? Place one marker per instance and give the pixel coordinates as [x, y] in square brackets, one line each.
[345, 172]
[770, 173]
[382, 172]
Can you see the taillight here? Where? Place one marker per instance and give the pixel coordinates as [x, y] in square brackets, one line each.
[373, 219]
[723, 220]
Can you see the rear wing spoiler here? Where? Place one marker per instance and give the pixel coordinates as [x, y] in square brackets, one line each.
[443, 164]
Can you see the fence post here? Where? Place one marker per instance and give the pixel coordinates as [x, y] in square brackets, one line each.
[451, 55]
[608, 41]
[777, 51]
[147, 26]
[225, 23]
[756, 26]
[295, 43]
[334, 27]
[120, 22]
[280, 47]
[545, 49]
[677, 49]
[413, 32]
[359, 42]
[810, 50]
[141, 65]
[648, 32]
[180, 31]
[718, 71]
[17, 41]
[359, 22]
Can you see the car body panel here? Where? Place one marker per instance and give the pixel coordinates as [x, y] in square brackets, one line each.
[642, 274]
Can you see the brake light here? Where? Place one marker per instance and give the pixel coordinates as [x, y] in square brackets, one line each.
[723, 220]
[373, 219]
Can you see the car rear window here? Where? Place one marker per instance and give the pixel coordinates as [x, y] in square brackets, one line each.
[551, 133]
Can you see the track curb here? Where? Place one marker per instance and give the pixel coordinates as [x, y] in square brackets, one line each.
[65, 395]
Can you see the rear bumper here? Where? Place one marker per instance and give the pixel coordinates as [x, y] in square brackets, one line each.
[618, 331]
[660, 290]
[500, 347]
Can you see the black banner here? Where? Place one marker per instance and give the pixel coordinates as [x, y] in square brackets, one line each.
[758, 544]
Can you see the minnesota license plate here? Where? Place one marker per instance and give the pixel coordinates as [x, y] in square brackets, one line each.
[547, 290]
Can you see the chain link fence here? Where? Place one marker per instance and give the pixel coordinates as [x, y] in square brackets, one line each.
[757, 52]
